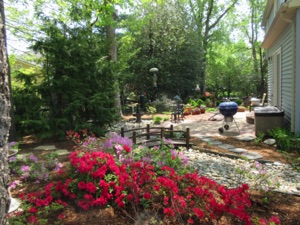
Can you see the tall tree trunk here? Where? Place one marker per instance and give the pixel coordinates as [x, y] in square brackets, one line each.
[206, 19]
[263, 72]
[111, 37]
[4, 121]
[12, 131]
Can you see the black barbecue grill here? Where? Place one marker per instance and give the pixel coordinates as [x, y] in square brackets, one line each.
[228, 110]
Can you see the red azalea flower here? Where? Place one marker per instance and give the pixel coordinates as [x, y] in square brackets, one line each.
[22, 196]
[102, 201]
[199, 213]
[81, 185]
[72, 196]
[33, 220]
[59, 201]
[275, 220]
[83, 204]
[129, 197]
[60, 216]
[127, 148]
[263, 222]
[166, 200]
[88, 196]
[190, 221]
[90, 186]
[121, 204]
[169, 212]
[147, 196]
[33, 210]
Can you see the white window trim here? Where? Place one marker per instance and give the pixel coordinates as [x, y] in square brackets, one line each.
[277, 78]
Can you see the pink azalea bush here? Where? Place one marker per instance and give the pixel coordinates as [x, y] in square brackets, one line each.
[100, 179]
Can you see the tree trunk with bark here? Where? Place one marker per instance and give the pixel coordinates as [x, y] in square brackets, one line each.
[111, 37]
[4, 121]
[206, 19]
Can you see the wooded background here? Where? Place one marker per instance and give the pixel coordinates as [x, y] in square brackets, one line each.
[94, 54]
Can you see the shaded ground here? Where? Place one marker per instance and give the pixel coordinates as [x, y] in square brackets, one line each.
[286, 207]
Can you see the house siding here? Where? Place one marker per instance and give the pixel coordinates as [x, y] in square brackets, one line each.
[285, 44]
[271, 18]
[297, 81]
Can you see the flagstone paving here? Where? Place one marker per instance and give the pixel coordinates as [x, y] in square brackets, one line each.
[45, 147]
[62, 152]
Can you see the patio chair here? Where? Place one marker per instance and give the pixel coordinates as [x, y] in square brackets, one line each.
[177, 114]
[261, 104]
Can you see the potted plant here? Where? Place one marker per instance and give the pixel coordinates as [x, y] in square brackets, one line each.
[241, 109]
[187, 110]
[202, 108]
[196, 111]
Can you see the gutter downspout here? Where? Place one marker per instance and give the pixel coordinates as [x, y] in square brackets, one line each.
[293, 65]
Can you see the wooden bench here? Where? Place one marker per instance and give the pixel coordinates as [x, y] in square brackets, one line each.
[152, 136]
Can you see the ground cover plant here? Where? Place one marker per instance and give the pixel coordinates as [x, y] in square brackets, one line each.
[137, 183]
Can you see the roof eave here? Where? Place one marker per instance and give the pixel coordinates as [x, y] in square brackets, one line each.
[279, 24]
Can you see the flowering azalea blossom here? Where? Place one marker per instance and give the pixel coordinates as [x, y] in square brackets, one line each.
[33, 158]
[25, 168]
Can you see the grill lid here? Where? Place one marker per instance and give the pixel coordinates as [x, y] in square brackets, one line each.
[228, 108]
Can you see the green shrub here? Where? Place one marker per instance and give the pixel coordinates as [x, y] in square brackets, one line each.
[151, 109]
[285, 139]
[200, 102]
[163, 104]
[208, 102]
[238, 101]
[157, 119]
[193, 103]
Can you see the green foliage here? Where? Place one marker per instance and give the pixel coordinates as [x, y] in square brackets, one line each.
[291, 159]
[31, 114]
[285, 140]
[30, 167]
[162, 104]
[193, 103]
[211, 109]
[76, 88]
[261, 179]
[208, 103]
[151, 109]
[259, 138]
[238, 101]
[157, 119]
[200, 102]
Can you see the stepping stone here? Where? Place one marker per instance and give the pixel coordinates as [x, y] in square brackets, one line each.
[45, 147]
[238, 150]
[198, 136]
[252, 155]
[246, 138]
[62, 152]
[14, 205]
[207, 139]
[270, 141]
[226, 146]
[215, 143]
